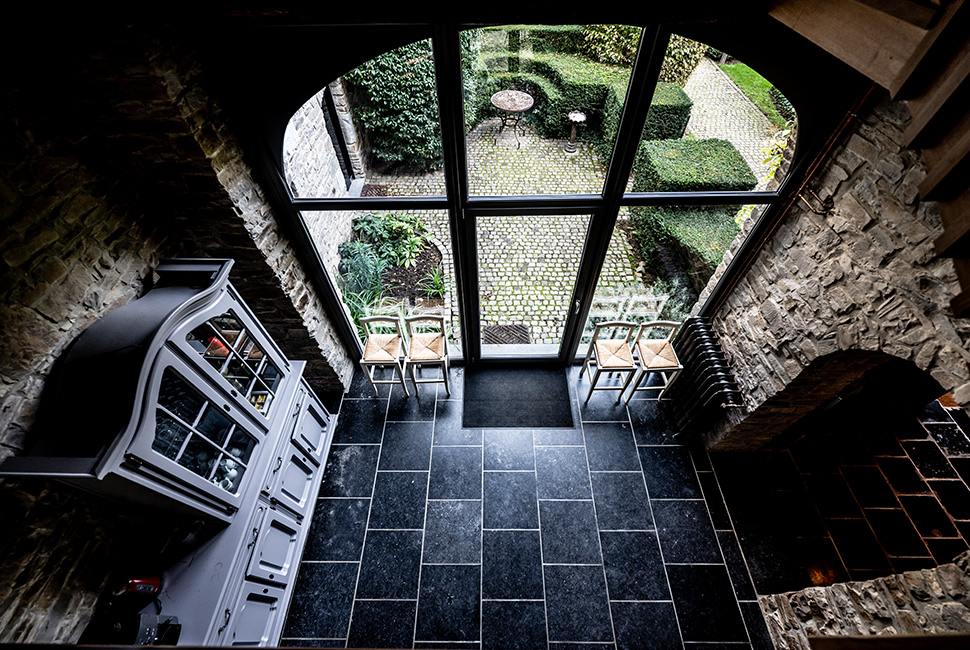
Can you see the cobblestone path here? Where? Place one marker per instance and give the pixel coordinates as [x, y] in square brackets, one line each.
[722, 111]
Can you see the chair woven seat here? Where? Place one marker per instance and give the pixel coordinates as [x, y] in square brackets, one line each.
[426, 347]
[613, 353]
[657, 353]
[382, 347]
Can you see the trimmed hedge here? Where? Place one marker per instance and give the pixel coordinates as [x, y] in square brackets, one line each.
[690, 166]
[669, 113]
[695, 236]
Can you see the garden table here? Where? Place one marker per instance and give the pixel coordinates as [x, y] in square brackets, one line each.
[512, 103]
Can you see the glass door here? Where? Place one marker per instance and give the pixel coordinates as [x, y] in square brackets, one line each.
[527, 271]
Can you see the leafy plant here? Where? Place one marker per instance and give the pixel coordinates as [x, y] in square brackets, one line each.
[681, 59]
[432, 285]
[398, 238]
[613, 44]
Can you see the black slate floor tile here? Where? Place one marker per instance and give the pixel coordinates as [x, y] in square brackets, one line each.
[902, 475]
[322, 600]
[962, 466]
[737, 569]
[407, 446]
[645, 626]
[402, 408]
[399, 500]
[928, 458]
[510, 500]
[360, 421]
[569, 533]
[651, 426]
[562, 473]
[577, 608]
[350, 471]
[382, 624]
[634, 567]
[449, 607]
[509, 449]
[453, 532]
[602, 406]
[715, 502]
[456, 473]
[870, 487]
[391, 564]
[928, 516]
[685, 531]
[754, 621]
[611, 447]
[706, 608]
[832, 496]
[572, 436]
[621, 501]
[337, 530]
[514, 625]
[857, 545]
[447, 425]
[896, 532]
[954, 496]
[945, 550]
[511, 565]
[669, 473]
[950, 437]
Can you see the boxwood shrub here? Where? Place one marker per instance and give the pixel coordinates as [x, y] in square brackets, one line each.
[693, 237]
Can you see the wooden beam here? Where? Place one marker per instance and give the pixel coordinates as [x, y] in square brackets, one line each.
[915, 13]
[873, 42]
[940, 91]
[919, 64]
[943, 158]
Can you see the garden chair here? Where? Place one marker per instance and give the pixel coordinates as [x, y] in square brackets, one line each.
[428, 347]
[610, 355]
[382, 349]
[655, 356]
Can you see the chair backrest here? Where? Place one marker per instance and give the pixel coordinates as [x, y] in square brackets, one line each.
[381, 324]
[615, 327]
[658, 324]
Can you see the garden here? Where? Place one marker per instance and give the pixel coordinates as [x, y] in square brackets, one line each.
[674, 249]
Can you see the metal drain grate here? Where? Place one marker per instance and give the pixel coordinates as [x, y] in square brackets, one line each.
[518, 334]
[374, 190]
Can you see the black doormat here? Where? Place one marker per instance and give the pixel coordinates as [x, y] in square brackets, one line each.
[516, 397]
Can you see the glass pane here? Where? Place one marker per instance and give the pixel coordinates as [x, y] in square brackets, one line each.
[169, 435]
[542, 105]
[199, 457]
[660, 259]
[239, 374]
[228, 327]
[714, 124]
[396, 263]
[527, 274]
[260, 397]
[229, 473]
[214, 425]
[270, 375]
[176, 396]
[390, 103]
[241, 446]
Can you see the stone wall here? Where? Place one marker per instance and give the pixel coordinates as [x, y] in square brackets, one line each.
[312, 169]
[851, 267]
[931, 601]
[119, 159]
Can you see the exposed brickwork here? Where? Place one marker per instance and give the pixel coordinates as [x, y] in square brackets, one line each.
[855, 271]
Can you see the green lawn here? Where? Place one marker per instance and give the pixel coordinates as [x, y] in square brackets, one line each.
[756, 88]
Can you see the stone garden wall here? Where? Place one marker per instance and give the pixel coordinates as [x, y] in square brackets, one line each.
[930, 601]
[851, 268]
[95, 189]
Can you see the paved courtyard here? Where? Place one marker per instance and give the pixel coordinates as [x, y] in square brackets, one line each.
[528, 265]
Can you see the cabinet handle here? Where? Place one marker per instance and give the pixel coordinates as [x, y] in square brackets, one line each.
[279, 464]
[255, 537]
[228, 615]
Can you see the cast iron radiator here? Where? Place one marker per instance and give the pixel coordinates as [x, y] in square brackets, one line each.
[706, 386]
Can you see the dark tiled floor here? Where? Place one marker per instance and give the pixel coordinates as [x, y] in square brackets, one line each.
[608, 534]
[862, 491]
